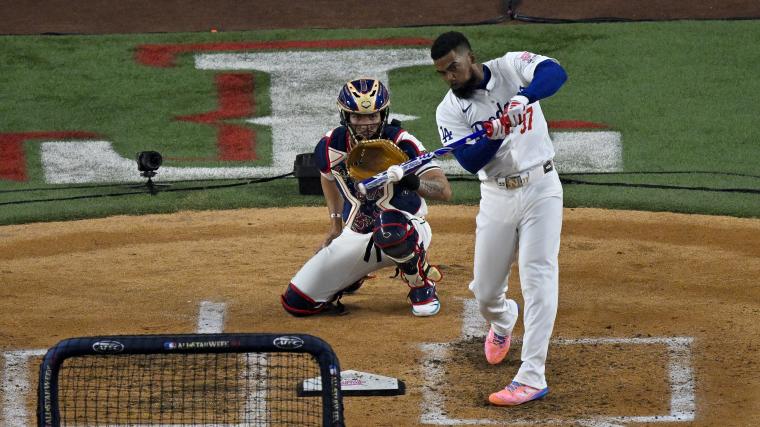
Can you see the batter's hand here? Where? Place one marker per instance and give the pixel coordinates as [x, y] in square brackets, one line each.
[497, 128]
[395, 173]
[516, 109]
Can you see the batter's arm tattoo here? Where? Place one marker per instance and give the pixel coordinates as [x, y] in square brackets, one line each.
[434, 185]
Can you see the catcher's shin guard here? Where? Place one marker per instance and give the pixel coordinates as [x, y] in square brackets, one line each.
[299, 304]
[395, 235]
[398, 239]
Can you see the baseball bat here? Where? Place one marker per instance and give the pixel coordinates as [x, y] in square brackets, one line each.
[416, 162]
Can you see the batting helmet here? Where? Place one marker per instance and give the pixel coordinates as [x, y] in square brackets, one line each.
[363, 96]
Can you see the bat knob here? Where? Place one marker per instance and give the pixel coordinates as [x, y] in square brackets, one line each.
[362, 188]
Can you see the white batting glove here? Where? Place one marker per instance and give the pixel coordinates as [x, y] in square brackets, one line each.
[395, 173]
[516, 109]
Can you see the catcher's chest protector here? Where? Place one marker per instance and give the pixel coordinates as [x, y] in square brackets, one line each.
[362, 209]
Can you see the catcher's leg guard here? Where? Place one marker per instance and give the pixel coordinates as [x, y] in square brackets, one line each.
[299, 304]
[398, 239]
[395, 235]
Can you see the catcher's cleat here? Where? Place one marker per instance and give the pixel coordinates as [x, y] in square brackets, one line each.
[424, 300]
[496, 347]
[517, 394]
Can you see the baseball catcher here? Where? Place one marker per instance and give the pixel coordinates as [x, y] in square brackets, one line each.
[385, 227]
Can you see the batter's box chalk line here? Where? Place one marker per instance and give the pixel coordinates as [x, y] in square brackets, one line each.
[680, 378]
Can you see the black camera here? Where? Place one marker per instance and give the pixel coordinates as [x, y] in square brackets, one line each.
[148, 162]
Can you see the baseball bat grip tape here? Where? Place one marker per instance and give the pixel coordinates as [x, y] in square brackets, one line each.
[416, 162]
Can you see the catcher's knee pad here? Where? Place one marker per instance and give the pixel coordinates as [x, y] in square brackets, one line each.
[297, 303]
[395, 235]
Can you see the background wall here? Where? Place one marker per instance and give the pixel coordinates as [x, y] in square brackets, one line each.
[147, 16]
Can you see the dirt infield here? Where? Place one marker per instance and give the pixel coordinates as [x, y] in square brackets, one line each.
[657, 317]
[658, 314]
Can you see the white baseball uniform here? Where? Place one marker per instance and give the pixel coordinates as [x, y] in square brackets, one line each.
[520, 212]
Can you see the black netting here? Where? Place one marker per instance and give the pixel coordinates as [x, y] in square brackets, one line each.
[197, 389]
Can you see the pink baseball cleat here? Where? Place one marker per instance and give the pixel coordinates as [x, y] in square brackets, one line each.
[516, 394]
[496, 347]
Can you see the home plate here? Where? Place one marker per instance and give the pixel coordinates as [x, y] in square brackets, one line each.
[356, 383]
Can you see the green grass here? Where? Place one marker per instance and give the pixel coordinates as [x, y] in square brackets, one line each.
[678, 92]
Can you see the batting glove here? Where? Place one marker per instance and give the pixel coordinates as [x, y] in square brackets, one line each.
[395, 173]
[497, 128]
[516, 109]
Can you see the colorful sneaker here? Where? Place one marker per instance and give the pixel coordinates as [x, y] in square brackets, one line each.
[496, 347]
[424, 300]
[516, 394]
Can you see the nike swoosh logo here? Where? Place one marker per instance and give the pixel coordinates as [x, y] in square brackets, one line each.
[464, 110]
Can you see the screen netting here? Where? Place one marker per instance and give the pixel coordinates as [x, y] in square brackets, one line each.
[244, 389]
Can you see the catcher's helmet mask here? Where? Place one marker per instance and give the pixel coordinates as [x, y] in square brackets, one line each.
[363, 96]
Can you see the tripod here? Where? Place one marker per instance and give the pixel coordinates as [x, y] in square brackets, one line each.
[150, 185]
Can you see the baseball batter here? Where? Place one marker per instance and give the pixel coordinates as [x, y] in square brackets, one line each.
[384, 227]
[520, 214]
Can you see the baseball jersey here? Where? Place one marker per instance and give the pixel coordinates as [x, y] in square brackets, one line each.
[360, 210]
[527, 145]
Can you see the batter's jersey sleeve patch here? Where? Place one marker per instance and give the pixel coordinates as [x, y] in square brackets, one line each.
[523, 64]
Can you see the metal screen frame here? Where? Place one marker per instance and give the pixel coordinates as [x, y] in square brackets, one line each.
[48, 414]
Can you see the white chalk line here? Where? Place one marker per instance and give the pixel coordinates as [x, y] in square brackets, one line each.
[211, 321]
[211, 317]
[680, 377]
[16, 386]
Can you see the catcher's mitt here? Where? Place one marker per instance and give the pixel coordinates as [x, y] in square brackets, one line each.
[372, 157]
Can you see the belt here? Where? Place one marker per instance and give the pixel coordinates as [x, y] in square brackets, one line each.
[520, 180]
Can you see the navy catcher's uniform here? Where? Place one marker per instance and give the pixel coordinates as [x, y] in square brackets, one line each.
[385, 227]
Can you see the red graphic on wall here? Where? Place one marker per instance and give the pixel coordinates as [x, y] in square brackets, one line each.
[12, 159]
